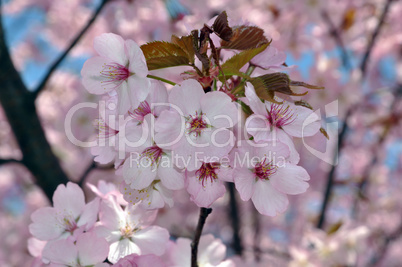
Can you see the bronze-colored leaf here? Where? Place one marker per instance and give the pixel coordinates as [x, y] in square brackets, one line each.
[185, 43]
[203, 57]
[245, 37]
[303, 104]
[221, 27]
[163, 55]
[267, 84]
[309, 86]
[348, 18]
[324, 132]
[334, 228]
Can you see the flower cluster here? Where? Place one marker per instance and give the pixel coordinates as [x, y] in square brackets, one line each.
[72, 233]
[194, 135]
[221, 124]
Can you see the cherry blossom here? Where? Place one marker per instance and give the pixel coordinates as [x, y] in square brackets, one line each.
[265, 175]
[87, 250]
[206, 184]
[199, 123]
[155, 196]
[68, 214]
[128, 231]
[120, 66]
[148, 161]
[272, 121]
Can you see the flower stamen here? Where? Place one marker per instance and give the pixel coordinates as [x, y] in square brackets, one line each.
[196, 123]
[279, 115]
[264, 169]
[207, 172]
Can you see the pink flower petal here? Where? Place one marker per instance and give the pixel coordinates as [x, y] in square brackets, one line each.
[91, 249]
[211, 250]
[171, 177]
[186, 98]
[111, 214]
[275, 151]
[244, 181]
[61, 251]
[121, 249]
[111, 46]
[219, 109]
[89, 214]
[138, 89]
[169, 129]
[151, 240]
[45, 225]
[257, 126]
[267, 200]
[141, 216]
[139, 174]
[294, 156]
[305, 124]
[158, 97]
[92, 80]
[256, 105]
[204, 195]
[124, 100]
[137, 60]
[290, 179]
[104, 154]
[69, 199]
[225, 173]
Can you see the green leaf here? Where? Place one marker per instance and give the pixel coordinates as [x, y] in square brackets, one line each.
[185, 43]
[221, 27]
[163, 55]
[236, 62]
[245, 37]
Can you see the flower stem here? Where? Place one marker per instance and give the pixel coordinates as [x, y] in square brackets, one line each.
[204, 212]
[160, 79]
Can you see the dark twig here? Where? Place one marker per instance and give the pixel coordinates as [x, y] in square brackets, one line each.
[257, 235]
[331, 174]
[86, 173]
[338, 39]
[56, 64]
[382, 250]
[204, 212]
[89, 169]
[366, 57]
[235, 220]
[6, 161]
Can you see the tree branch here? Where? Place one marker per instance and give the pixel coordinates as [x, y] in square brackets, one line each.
[56, 64]
[204, 212]
[235, 220]
[379, 256]
[331, 174]
[366, 57]
[89, 169]
[6, 161]
[257, 235]
[20, 111]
